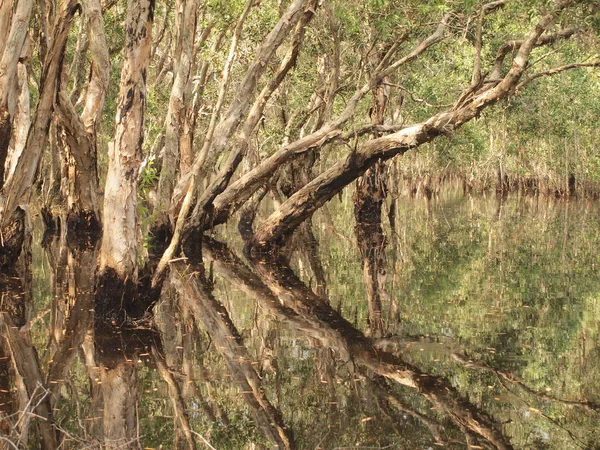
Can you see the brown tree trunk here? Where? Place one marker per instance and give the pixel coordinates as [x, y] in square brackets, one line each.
[118, 264]
[371, 191]
[13, 34]
[83, 213]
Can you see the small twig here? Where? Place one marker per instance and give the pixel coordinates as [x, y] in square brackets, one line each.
[203, 440]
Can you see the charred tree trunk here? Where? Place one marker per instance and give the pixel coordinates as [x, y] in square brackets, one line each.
[118, 266]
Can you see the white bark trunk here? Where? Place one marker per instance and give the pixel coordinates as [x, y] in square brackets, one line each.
[119, 249]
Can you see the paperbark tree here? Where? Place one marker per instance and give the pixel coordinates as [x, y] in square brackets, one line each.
[118, 265]
[186, 12]
[83, 213]
[17, 188]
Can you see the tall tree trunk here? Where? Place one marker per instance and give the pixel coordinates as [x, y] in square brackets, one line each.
[370, 194]
[81, 131]
[118, 265]
[185, 23]
[13, 33]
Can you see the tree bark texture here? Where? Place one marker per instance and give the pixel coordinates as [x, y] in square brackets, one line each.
[17, 188]
[119, 250]
[185, 24]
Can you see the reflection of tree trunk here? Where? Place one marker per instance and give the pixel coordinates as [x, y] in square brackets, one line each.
[25, 358]
[369, 198]
[7, 405]
[182, 423]
[371, 191]
[112, 362]
[290, 300]
[210, 314]
[120, 393]
[168, 319]
[80, 293]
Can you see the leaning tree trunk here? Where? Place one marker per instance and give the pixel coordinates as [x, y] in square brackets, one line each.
[13, 33]
[119, 251]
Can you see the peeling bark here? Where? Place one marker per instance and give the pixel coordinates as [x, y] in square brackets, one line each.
[17, 187]
[176, 122]
[119, 250]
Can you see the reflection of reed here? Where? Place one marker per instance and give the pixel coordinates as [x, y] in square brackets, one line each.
[277, 287]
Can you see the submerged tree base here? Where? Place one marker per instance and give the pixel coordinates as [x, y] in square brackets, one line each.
[13, 236]
[121, 301]
[83, 221]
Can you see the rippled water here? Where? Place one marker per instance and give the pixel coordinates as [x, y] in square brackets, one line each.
[489, 339]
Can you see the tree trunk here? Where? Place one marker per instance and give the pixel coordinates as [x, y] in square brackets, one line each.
[175, 123]
[371, 191]
[83, 213]
[119, 251]
[18, 187]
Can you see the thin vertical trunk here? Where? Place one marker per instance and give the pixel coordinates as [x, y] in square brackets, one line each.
[185, 23]
[119, 250]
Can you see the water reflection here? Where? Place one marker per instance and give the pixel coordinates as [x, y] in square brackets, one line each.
[488, 338]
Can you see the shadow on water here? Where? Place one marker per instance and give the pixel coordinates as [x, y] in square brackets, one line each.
[488, 339]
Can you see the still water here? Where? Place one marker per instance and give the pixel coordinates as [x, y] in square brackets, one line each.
[488, 338]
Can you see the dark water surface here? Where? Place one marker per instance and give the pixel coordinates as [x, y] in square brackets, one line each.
[490, 339]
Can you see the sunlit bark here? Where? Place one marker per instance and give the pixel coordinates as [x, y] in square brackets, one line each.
[119, 250]
[185, 26]
[17, 187]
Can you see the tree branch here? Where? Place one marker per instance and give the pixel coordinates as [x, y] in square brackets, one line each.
[511, 46]
[554, 71]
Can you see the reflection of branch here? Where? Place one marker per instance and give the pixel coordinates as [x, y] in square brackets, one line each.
[390, 399]
[176, 399]
[510, 378]
[25, 358]
[214, 318]
[284, 294]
